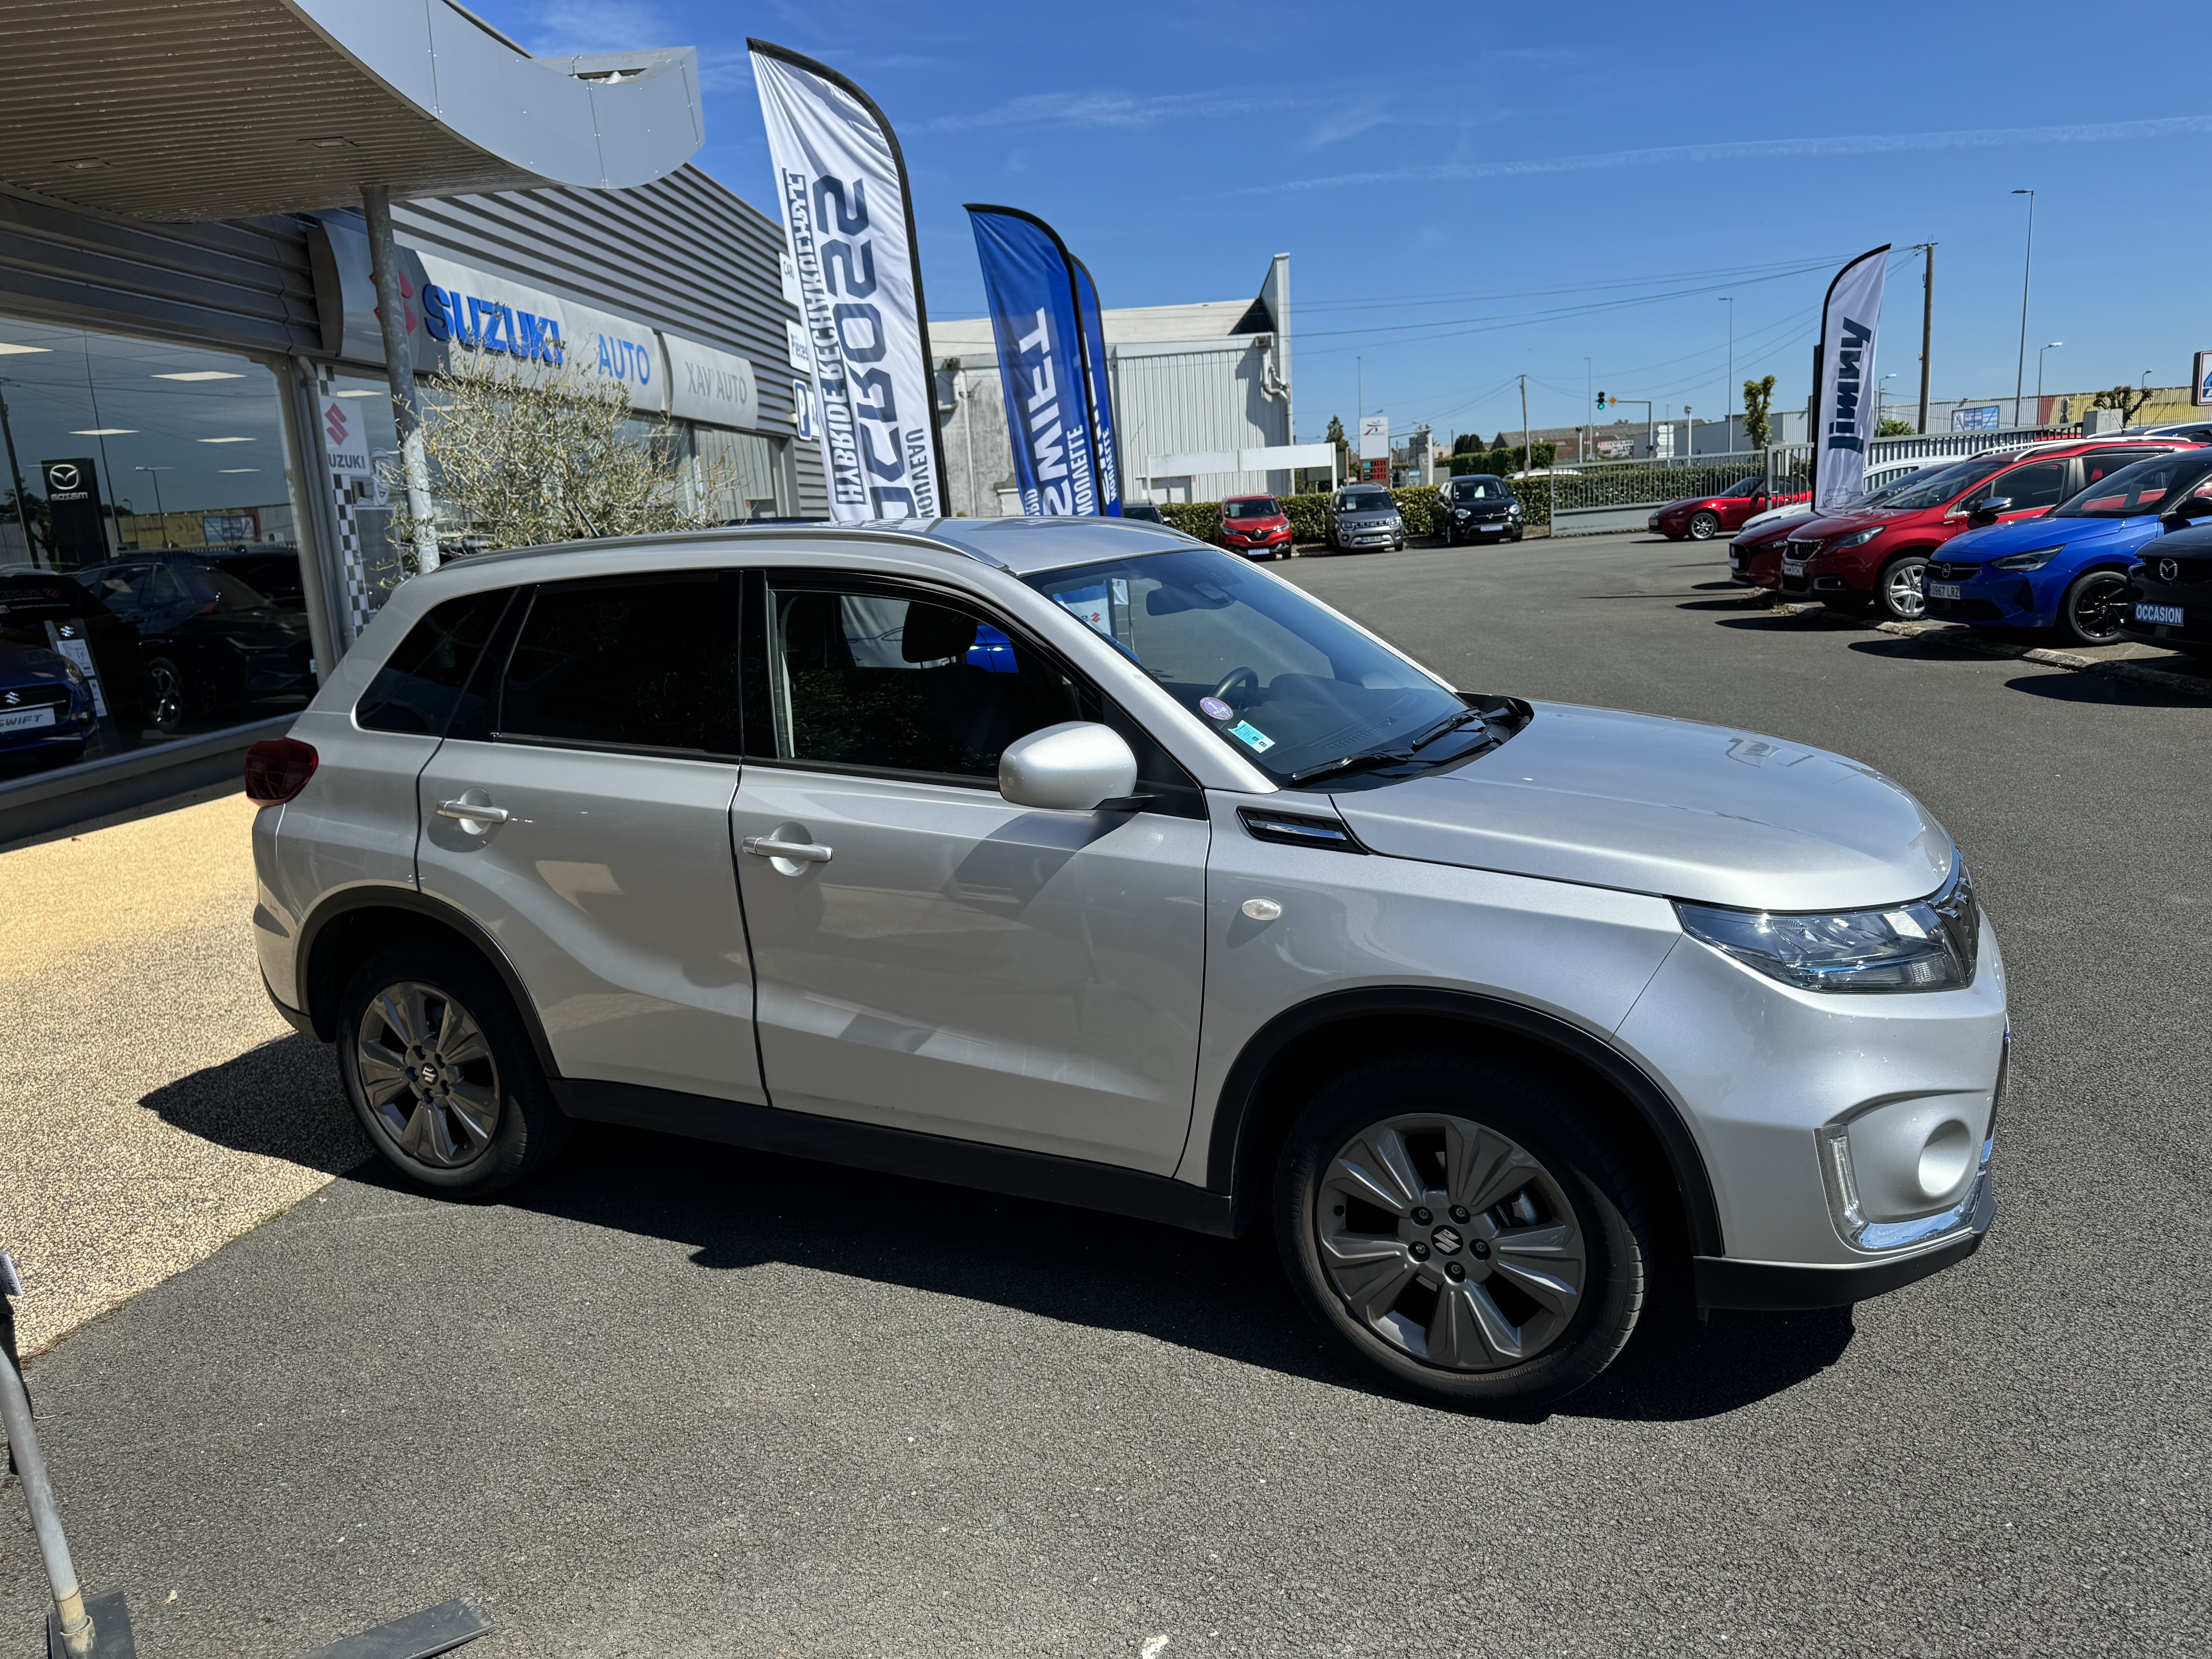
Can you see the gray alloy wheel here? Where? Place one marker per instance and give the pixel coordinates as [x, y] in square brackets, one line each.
[1704, 527]
[428, 1074]
[167, 707]
[2095, 608]
[1449, 1242]
[1899, 590]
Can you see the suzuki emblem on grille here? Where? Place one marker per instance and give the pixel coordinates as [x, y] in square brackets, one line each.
[2168, 569]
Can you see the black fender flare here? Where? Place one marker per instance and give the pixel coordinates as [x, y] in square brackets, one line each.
[1229, 1147]
[351, 900]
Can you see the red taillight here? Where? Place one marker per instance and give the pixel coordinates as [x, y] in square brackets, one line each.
[278, 768]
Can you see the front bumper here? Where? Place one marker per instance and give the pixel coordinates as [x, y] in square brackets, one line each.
[2191, 601]
[1787, 1287]
[1367, 535]
[1989, 598]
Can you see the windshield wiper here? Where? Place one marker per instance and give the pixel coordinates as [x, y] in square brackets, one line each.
[1443, 727]
[1354, 764]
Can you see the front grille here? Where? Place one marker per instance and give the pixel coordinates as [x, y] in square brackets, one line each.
[1797, 584]
[2188, 572]
[35, 696]
[1940, 571]
[1793, 549]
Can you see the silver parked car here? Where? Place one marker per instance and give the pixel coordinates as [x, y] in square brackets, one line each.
[1074, 858]
[1366, 516]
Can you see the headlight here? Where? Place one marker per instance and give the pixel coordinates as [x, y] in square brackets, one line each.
[2035, 560]
[1461, 513]
[1927, 945]
[1859, 538]
[72, 673]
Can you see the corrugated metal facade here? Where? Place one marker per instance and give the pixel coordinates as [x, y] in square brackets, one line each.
[1201, 397]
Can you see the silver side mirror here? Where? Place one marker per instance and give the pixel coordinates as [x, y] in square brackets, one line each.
[1067, 769]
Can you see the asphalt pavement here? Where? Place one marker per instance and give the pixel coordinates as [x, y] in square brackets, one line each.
[682, 1401]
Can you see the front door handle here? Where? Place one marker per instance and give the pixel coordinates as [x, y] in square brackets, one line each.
[799, 852]
[471, 812]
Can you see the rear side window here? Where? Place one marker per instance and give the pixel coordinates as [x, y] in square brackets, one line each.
[422, 683]
[2039, 483]
[635, 663]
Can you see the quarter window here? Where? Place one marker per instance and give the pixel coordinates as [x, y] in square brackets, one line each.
[421, 684]
[874, 680]
[646, 663]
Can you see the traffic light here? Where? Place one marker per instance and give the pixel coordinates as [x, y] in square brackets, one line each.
[1601, 400]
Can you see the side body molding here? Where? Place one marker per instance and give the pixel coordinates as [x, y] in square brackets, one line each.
[1234, 1141]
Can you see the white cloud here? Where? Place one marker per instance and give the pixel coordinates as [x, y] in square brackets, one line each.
[1099, 109]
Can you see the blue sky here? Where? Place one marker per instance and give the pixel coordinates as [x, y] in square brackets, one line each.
[1467, 198]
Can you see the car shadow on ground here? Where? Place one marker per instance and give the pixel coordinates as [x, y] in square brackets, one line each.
[736, 1209]
[280, 1100]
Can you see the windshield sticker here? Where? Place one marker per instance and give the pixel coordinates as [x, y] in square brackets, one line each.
[1214, 709]
[1245, 732]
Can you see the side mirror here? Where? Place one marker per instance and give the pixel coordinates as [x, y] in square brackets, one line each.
[1067, 769]
[1985, 511]
[2184, 512]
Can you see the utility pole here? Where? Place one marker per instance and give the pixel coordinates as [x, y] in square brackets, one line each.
[1589, 410]
[1927, 326]
[2026, 269]
[1527, 449]
[15, 471]
[1734, 391]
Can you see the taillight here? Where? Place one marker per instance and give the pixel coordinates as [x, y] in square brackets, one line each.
[278, 768]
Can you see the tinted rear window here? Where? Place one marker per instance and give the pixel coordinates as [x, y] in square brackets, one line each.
[633, 663]
[421, 684]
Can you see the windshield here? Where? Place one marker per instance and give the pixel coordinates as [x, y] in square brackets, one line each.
[1743, 487]
[1252, 506]
[1286, 684]
[1481, 490]
[1939, 488]
[2152, 486]
[1364, 501]
[234, 593]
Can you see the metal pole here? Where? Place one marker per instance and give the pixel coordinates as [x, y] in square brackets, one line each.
[1527, 449]
[1589, 411]
[2026, 269]
[15, 471]
[1927, 327]
[46, 1521]
[2053, 346]
[399, 366]
[1734, 391]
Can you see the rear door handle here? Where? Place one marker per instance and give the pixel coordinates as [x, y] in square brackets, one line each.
[472, 812]
[803, 852]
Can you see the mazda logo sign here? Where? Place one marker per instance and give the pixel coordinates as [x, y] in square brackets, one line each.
[2168, 570]
[60, 478]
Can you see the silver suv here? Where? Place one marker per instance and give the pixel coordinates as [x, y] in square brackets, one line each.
[1081, 860]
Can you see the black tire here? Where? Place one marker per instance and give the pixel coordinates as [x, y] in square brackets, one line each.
[2095, 608]
[1704, 527]
[459, 1156]
[1518, 531]
[1551, 1117]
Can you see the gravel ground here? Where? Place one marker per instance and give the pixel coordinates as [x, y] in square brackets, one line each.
[676, 1400]
[153, 1106]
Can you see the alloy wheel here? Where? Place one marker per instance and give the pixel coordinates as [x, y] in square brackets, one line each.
[428, 1074]
[1449, 1242]
[2097, 608]
[1901, 590]
[1704, 527]
[168, 709]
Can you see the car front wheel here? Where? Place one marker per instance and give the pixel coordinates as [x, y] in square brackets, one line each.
[1462, 1226]
[1900, 591]
[1704, 527]
[2095, 608]
[441, 1074]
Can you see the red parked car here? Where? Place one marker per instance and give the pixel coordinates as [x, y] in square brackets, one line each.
[1701, 518]
[1257, 527]
[1875, 556]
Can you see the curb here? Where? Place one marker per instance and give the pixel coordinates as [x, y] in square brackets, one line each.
[2164, 679]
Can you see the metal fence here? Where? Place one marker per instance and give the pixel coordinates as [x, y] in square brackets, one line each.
[1788, 465]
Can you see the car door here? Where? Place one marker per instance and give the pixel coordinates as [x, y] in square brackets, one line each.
[582, 820]
[928, 956]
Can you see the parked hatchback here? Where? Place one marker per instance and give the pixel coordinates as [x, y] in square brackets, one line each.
[1875, 555]
[1256, 526]
[1366, 516]
[1479, 507]
[1198, 903]
[2067, 571]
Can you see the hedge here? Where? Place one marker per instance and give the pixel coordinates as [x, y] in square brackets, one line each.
[1501, 463]
[1308, 513]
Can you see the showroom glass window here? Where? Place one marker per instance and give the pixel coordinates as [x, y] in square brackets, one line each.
[147, 476]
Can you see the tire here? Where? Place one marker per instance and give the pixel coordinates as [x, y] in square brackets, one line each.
[1365, 1164]
[1704, 527]
[1518, 531]
[1898, 589]
[1450, 538]
[172, 698]
[2095, 608]
[488, 1120]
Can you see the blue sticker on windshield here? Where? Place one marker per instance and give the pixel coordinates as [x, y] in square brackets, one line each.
[1245, 732]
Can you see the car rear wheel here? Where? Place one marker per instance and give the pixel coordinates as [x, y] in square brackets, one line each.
[175, 699]
[1900, 589]
[1704, 527]
[2095, 608]
[441, 1073]
[1462, 1226]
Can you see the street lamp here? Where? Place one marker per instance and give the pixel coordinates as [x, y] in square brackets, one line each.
[2053, 346]
[1728, 300]
[2027, 265]
[1881, 400]
[160, 512]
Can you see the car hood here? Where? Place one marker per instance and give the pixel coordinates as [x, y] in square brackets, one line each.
[1652, 805]
[1774, 515]
[1246, 525]
[1996, 541]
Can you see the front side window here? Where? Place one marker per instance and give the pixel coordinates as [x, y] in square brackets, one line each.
[1744, 488]
[2146, 487]
[885, 681]
[422, 683]
[1286, 684]
[1943, 486]
[631, 662]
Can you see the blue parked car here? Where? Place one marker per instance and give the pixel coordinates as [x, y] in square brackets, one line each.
[2067, 569]
[46, 707]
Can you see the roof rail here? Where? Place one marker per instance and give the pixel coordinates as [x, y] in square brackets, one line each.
[880, 532]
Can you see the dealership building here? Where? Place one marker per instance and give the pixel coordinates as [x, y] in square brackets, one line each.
[193, 370]
[1201, 403]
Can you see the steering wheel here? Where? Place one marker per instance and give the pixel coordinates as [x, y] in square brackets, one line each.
[1249, 677]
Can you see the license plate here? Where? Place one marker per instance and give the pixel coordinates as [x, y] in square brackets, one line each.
[2163, 616]
[1944, 591]
[1490, 529]
[22, 719]
[1793, 566]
